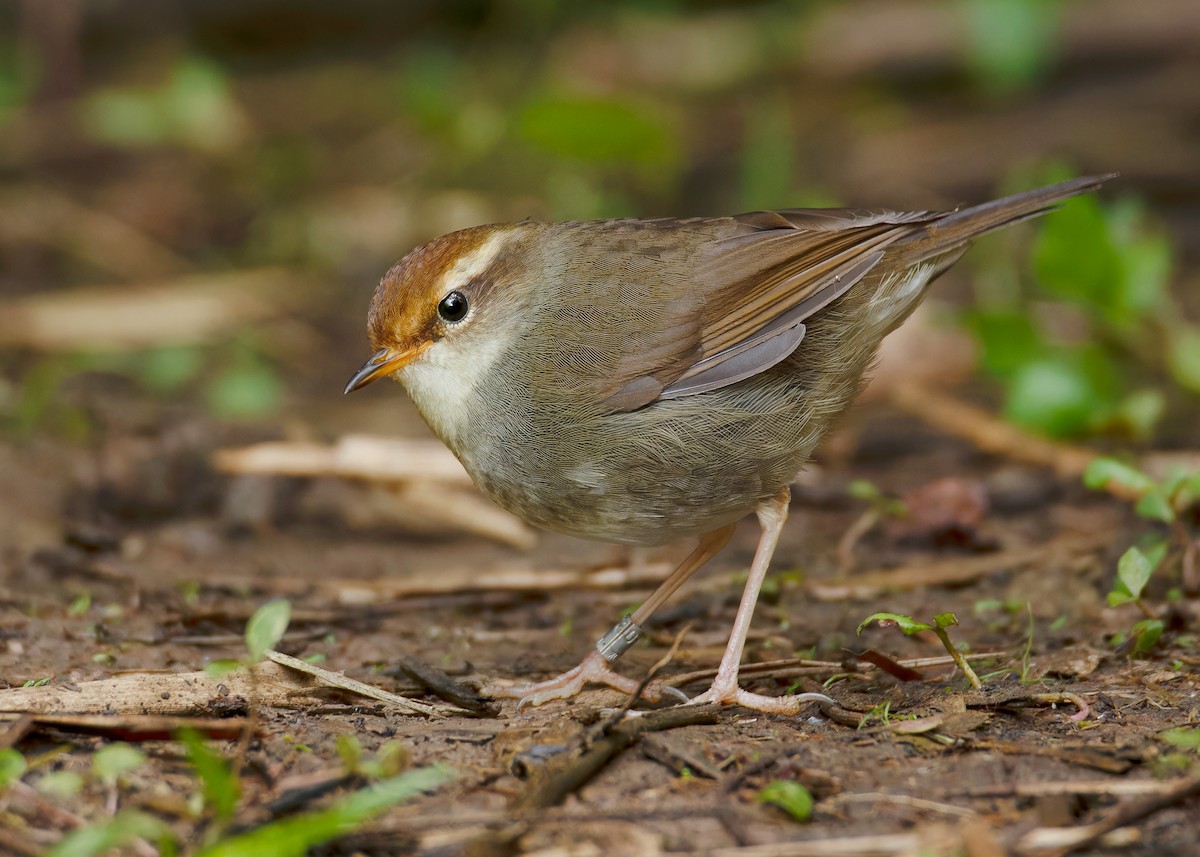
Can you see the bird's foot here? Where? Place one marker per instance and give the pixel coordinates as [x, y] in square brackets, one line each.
[728, 693]
[594, 669]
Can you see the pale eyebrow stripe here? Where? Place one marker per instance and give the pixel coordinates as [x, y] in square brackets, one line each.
[471, 265]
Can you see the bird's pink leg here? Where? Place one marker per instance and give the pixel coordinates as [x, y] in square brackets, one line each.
[595, 669]
[724, 690]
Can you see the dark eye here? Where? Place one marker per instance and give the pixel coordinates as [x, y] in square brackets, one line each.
[453, 307]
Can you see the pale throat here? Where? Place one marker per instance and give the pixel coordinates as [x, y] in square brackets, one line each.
[443, 382]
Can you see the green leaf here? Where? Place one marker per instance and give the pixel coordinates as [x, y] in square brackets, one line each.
[221, 667]
[1183, 356]
[294, 836]
[1008, 341]
[1140, 412]
[267, 627]
[907, 624]
[12, 766]
[350, 751]
[945, 620]
[1187, 492]
[1134, 570]
[1145, 274]
[1059, 396]
[861, 489]
[167, 369]
[392, 758]
[60, 784]
[1146, 634]
[112, 761]
[1075, 258]
[221, 787]
[1011, 42]
[1103, 472]
[1182, 736]
[247, 391]
[105, 836]
[791, 797]
[1154, 506]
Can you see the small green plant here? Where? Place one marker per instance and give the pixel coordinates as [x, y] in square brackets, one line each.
[114, 833]
[391, 759]
[910, 626]
[220, 788]
[264, 630]
[790, 796]
[881, 713]
[1161, 500]
[297, 835]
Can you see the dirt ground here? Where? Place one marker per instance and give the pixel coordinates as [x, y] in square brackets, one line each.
[1030, 559]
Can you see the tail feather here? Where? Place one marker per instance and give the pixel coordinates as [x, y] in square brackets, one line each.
[959, 227]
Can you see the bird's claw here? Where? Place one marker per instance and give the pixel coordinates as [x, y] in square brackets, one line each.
[788, 706]
[593, 669]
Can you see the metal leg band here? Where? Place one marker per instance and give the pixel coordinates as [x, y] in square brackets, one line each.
[618, 640]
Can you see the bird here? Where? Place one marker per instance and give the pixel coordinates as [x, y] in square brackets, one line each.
[641, 381]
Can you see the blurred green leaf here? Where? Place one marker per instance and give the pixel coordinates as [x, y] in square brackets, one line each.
[1140, 412]
[1075, 258]
[220, 784]
[112, 761]
[1103, 471]
[1145, 258]
[60, 784]
[1183, 737]
[296, 835]
[350, 751]
[1154, 506]
[598, 131]
[266, 627]
[1183, 356]
[1011, 41]
[861, 489]
[791, 797]
[125, 118]
[193, 107]
[1133, 573]
[105, 836]
[1009, 341]
[1145, 635]
[222, 667]
[12, 766]
[1060, 396]
[246, 391]
[1134, 570]
[167, 369]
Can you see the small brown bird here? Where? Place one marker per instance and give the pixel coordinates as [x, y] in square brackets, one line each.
[640, 381]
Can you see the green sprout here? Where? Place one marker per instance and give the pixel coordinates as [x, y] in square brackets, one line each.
[909, 626]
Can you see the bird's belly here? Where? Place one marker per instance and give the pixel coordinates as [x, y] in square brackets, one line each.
[677, 468]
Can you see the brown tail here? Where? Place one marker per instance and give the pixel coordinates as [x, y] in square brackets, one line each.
[959, 227]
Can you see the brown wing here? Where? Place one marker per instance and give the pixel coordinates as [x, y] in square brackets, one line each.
[751, 290]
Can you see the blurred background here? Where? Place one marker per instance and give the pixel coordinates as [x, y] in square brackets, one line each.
[196, 199]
